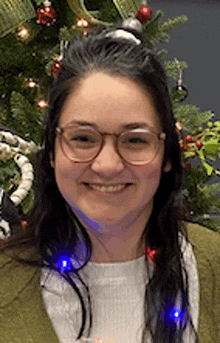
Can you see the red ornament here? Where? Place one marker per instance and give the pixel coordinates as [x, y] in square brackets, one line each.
[144, 13]
[46, 14]
[199, 144]
[56, 67]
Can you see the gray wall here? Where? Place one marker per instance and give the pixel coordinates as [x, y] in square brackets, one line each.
[198, 43]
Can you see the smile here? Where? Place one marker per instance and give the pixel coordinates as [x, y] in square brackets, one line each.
[109, 189]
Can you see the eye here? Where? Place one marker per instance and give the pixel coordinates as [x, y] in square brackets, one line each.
[136, 139]
[81, 138]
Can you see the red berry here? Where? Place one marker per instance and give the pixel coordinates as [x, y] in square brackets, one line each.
[199, 144]
[24, 224]
[181, 145]
[188, 166]
[189, 139]
[56, 67]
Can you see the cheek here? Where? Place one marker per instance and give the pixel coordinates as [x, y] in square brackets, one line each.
[154, 175]
[69, 176]
[151, 176]
[66, 171]
[152, 181]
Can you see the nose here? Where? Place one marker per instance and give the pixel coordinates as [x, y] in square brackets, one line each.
[108, 162]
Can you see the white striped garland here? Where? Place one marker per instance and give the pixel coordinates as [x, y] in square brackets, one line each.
[18, 152]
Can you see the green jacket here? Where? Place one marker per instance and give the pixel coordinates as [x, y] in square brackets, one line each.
[23, 316]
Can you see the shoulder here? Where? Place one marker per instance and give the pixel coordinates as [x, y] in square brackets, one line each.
[206, 248]
[14, 275]
[205, 244]
[8, 256]
[204, 239]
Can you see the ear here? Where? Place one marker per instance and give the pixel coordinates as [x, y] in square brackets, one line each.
[167, 167]
[51, 161]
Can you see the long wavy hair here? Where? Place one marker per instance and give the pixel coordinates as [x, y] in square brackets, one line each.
[54, 228]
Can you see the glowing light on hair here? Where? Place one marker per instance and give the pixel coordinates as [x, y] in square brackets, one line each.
[65, 264]
[151, 253]
[176, 314]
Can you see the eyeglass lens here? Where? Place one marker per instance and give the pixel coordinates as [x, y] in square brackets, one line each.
[137, 145]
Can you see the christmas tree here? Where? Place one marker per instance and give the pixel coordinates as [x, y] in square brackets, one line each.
[33, 35]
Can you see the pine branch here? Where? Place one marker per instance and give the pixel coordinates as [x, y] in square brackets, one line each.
[190, 117]
[152, 28]
[172, 23]
[26, 117]
[9, 174]
[66, 34]
[161, 53]
[155, 31]
[172, 68]
[199, 197]
[39, 2]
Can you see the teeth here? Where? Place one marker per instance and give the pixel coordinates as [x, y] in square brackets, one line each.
[108, 189]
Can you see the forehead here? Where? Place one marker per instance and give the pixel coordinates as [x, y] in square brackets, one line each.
[110, 102]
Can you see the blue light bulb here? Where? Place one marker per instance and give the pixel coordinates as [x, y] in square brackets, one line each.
[64, 263]
[176, 314]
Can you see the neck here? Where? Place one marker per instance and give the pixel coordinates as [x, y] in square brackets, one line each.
[117, 242]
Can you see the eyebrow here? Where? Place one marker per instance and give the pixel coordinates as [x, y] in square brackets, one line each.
[125, 126]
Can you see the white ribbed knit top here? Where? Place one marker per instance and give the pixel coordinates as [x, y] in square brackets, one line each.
[117, 296]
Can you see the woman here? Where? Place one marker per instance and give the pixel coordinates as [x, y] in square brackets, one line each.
[107, 228]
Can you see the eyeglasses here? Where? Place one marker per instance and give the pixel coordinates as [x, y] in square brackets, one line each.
[83, 144]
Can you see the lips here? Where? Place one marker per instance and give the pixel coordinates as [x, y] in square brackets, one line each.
[111, 188]
[106, 185]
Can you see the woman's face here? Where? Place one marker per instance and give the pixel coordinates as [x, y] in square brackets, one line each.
[109, 102]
